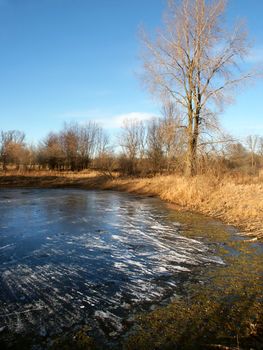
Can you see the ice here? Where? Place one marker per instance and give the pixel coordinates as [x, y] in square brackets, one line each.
[7, 246]
[73, 256]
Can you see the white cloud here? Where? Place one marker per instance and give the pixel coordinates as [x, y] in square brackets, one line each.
[116, 121]
[105, 119]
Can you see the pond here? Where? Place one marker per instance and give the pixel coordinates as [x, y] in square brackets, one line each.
[70, 258]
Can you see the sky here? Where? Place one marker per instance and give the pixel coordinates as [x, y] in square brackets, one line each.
[76, 60]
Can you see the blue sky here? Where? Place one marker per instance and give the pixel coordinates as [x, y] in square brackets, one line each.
[64, 60]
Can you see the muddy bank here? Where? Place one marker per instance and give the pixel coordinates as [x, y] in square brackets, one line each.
[234, 202]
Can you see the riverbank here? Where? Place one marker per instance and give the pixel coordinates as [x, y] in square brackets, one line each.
[235, 201]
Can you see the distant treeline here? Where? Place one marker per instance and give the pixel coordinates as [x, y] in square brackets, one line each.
[142, 148]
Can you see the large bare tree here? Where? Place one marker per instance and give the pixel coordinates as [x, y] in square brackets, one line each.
[194, 61]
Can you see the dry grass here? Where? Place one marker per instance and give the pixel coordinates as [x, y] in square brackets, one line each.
[46, 173]
[235, 200]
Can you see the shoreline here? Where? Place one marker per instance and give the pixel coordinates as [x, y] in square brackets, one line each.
[235, 204]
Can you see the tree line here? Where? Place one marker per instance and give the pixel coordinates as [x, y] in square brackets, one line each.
[142, 148]
[73, 148]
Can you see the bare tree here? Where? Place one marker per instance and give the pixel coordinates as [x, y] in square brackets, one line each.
[260, 146]
[155, 145]
[173, 135]
[51, 152]
[90, 141]
[194, 61]
[106, 162]
[132, 141]
[74, 148]
[12, 148]
[70, 144]
[252, 144]
[260, 151]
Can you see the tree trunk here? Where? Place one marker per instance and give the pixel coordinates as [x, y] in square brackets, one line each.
[191, 158]
[193, 134]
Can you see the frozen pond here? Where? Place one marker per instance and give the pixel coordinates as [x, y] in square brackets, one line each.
[70, 257]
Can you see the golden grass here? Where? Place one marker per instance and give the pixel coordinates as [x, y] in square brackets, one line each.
[235, 200]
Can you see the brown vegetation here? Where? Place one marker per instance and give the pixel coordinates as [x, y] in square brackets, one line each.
[157, 146]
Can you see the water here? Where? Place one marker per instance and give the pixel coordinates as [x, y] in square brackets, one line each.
[72, 257]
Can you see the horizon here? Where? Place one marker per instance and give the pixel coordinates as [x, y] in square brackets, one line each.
[64, 62]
